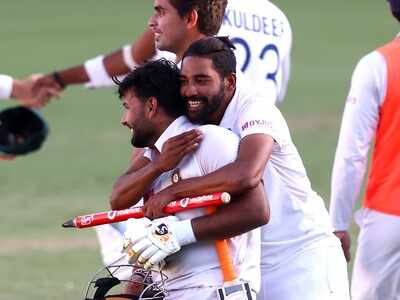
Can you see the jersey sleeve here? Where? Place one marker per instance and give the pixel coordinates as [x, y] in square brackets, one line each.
[218, 148]
[262, 117]
[360, 118]
[5, 86]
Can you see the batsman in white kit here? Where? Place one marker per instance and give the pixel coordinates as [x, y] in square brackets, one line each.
[153, 110]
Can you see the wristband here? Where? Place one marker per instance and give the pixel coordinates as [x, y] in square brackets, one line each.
[127, 57]
[183, 232]
[57, 78]
[97, 73]
[6, 84]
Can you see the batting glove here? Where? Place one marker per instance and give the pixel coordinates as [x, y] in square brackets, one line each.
[163, 237]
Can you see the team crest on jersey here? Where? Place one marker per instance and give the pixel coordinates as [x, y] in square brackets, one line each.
[176, 176]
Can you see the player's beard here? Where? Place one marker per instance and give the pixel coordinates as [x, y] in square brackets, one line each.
[208, 106]
[143, 134]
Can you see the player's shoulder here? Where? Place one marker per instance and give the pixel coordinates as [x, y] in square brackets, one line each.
[212, 132]
[370, 62]
[246, 97]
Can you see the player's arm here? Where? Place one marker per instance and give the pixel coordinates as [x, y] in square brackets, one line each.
[243, 174]
[131, 186]
[22, 91]
[98, 71]
[358, 126]
[248, 211]
[262, 128]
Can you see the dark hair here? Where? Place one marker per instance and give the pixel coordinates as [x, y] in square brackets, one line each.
[395, 8]
[159, 79]
[211, 13]
[219, 50]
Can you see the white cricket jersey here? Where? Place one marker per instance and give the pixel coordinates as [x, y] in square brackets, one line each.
[197, 264]
[263, 39]
[299, 219]
[5, 86]
[359, 123]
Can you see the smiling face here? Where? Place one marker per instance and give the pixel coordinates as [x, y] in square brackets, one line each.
[134, 117]
[168, 26]
[204, 90]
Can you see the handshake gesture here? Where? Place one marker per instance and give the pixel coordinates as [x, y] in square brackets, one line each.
[36, 90]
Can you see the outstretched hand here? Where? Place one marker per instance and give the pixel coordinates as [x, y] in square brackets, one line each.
[29, 92]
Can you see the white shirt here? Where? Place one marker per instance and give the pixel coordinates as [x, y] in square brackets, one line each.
[5, 86]
[360, 119]
[263, 38]
[197, 264]
[298, 218]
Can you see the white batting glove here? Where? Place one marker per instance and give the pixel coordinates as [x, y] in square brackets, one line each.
[163, 237]
[135, 229]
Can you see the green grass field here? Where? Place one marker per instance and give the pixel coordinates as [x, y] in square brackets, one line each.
[87, 147]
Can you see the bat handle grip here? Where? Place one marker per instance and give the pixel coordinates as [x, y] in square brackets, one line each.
[224, 256]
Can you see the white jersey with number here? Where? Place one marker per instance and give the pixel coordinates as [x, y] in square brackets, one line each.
[197, 265]
[263, 39]
[299, 219]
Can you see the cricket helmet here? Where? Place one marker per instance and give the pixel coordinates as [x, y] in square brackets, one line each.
[22, 130]
[126, 281]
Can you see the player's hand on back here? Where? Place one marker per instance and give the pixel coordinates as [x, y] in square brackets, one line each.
[345, 240]
[175, 149]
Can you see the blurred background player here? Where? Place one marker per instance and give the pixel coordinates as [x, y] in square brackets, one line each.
[259, 29]
[372, 111]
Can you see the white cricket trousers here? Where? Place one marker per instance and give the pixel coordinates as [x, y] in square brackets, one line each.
[314, 274]
[376, 271]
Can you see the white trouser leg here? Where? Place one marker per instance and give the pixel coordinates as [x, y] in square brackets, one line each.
[376, 271]
[110, 240]
[315, 274]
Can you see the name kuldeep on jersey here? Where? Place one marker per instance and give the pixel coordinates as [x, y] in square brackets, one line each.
[254, 23]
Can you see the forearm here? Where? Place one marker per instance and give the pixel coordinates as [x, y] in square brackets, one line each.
[97, 71]
[234, 178]
[347, 178]
[249, 210]
[130, 187]
[119, 62]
